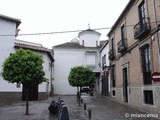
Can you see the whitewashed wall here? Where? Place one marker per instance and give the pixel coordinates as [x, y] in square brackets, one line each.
[6, 47]
[45, 86]
[103, 52]
[65, 59]
[90, 39]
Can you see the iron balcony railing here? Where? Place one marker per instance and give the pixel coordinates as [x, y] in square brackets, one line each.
[122, 45]
[141, 28]
[111, 54]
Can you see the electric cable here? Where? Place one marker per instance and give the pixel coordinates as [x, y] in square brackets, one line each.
[61, 32]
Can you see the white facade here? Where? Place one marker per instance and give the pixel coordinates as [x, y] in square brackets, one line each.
[48, 60]
[72, 54]
[7, 27]
[89, 38]
[44, 87]
[8, 45]
[105, 63]
[64, 60]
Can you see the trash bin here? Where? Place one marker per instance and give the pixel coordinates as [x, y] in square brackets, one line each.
[53, 108]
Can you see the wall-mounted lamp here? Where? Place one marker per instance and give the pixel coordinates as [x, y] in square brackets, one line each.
[104, 66]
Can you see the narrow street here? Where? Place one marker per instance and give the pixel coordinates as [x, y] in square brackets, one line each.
[102, 109]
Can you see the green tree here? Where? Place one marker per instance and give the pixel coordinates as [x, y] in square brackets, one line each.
[24, 66]
[81, 76]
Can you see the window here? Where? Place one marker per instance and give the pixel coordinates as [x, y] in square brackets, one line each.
[146, 64]
[113, 92]
[142, 28]
[148, 97]
[122, 44]
[103, 61]
[91, 59]
[111, 53]
[18, 85]
[113, 76]
[123, 33]
[112, 43]
[82, 42]
[96, 43]
[142, 13]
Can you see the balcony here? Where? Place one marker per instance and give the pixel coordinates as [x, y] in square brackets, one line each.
[122, 46]
[111, 54]
[141, 29]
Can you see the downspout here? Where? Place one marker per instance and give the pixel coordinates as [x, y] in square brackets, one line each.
[51, 85]
[151, 43]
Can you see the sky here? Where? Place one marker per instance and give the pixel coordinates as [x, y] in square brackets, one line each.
[45, 16]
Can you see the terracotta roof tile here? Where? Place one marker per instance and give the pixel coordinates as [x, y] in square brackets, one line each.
[70, 45]
[75, 45]
[17, 21]
[35, 48]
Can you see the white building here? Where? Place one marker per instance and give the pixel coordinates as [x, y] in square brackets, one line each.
[105, 66]
[82, 52]
[8, 45]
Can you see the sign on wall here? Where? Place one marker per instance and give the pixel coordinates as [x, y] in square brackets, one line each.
[156, 76]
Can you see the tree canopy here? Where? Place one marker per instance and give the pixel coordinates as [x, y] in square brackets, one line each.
[81, 76]
[24, 66]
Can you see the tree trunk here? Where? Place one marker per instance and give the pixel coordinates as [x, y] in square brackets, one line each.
[77, 93]
[27, 102]
[79, 96]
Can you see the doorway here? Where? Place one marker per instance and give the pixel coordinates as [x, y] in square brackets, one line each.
[105, 85]
[32, 92]
[125, 85]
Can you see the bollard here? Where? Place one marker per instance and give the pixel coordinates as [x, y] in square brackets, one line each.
[61, 101]
[64, 113]
[89, 113]
[81, 100]
[85, 106]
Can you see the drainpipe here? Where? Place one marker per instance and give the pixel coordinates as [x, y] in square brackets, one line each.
[152, 61]
[151, 47]
[51, 86]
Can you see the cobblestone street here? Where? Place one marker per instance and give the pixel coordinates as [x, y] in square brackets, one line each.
[102, 109]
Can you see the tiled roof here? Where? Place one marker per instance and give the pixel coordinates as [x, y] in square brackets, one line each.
[17, 21]
[88, 30]
[34, 48]
[76, 45]
[70, 45]
[104, 44]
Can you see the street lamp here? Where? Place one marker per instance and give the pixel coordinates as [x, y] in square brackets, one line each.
[104, 67]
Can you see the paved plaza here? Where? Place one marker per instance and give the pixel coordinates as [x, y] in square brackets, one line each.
[101, 109]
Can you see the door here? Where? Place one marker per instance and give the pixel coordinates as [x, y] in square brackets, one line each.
[105, 85]
[146, 64]
[125, 85]
[32, 92]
